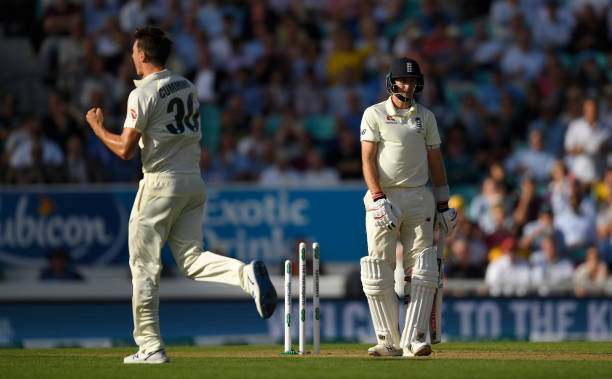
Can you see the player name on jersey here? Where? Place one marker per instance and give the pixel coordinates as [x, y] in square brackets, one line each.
[171, 88]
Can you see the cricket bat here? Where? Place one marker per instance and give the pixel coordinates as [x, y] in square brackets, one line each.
[435, 320]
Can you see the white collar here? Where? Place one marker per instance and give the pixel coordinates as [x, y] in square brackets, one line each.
[154, 76]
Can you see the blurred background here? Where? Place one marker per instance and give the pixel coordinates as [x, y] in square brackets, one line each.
[521, 90]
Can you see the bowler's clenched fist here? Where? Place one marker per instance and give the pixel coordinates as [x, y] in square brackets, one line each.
[94, 117]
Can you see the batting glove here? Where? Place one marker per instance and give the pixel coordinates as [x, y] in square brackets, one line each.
[386, 214]
[446, 218]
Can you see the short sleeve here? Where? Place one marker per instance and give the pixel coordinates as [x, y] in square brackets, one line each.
[369, 126]
[136, 112]
[571, 137]
[432, 137]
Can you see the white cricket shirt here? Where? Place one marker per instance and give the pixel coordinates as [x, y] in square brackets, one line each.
[402, 137]
[164, 108]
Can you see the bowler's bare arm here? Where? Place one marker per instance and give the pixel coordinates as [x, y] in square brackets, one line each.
[123, 145]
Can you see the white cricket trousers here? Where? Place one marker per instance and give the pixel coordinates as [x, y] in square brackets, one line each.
[169, 207]
[415, 225]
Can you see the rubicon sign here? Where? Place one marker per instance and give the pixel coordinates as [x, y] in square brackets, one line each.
[91, 228]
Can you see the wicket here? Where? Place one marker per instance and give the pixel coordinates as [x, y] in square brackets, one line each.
[316, 326]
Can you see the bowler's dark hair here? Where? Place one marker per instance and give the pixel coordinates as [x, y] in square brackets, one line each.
[155, 43]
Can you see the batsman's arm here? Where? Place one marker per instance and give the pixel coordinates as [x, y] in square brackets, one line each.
[436, 167]
[123, 145]
[369, 150]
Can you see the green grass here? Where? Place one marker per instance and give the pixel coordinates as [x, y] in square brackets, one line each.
[516, 360]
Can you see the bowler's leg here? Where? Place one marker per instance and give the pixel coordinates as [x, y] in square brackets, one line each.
[185, 240]
[145, 243]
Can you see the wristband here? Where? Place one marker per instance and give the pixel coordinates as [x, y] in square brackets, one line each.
[441, 194]
[378, 195]
[442, 206]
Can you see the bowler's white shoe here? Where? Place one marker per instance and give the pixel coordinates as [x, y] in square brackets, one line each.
[155, 357]
[262, 289]
[418, 349]
[381, 350]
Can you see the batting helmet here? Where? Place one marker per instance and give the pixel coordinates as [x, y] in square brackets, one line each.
[404, 68]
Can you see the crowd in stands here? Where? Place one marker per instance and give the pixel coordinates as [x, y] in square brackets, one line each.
[521, 89]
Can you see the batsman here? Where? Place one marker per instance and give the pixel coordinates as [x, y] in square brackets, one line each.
[400, 149]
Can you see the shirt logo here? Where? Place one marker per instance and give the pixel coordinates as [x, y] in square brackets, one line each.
[133, 113]
[419, 125]
[391, 120]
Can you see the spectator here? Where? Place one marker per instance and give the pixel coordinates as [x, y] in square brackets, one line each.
[345, 56]
[491, 194]
[577, 223]
[58, 123]
[242, 89]
[461, 168]
[501, 14]
[136, 13]
[186, 44]
[210, 18]
[9, 114]
[489, 95]
[503, 226]
[550, 272]
[590, 276]
[205, 77]
[354, 109]
[494, 145]
[344, 153]
[459, 265]
[59, 268]
[559, 187]
[317, 174]
[96, 14]
[59, 18]
[280, 173]
[308, 95]
[485, 51]
[475, 238]
[251, 150]
[37, 159]
[210, 172]
[533, 161]
[509, 274]
[553, 25]
[527, 204]
[604, 219]
[552, 129]
[521, 60]
[584, 141]
[606, 111]
[470, 116]
[535, 231]
[589, 30]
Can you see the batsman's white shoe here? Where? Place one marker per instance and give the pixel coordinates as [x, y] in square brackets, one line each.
[418, 349]
[153, 358]
[262, 289]
[381, 350]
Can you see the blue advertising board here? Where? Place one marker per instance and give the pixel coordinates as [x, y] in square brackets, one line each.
[532, 319]
[242, 222]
